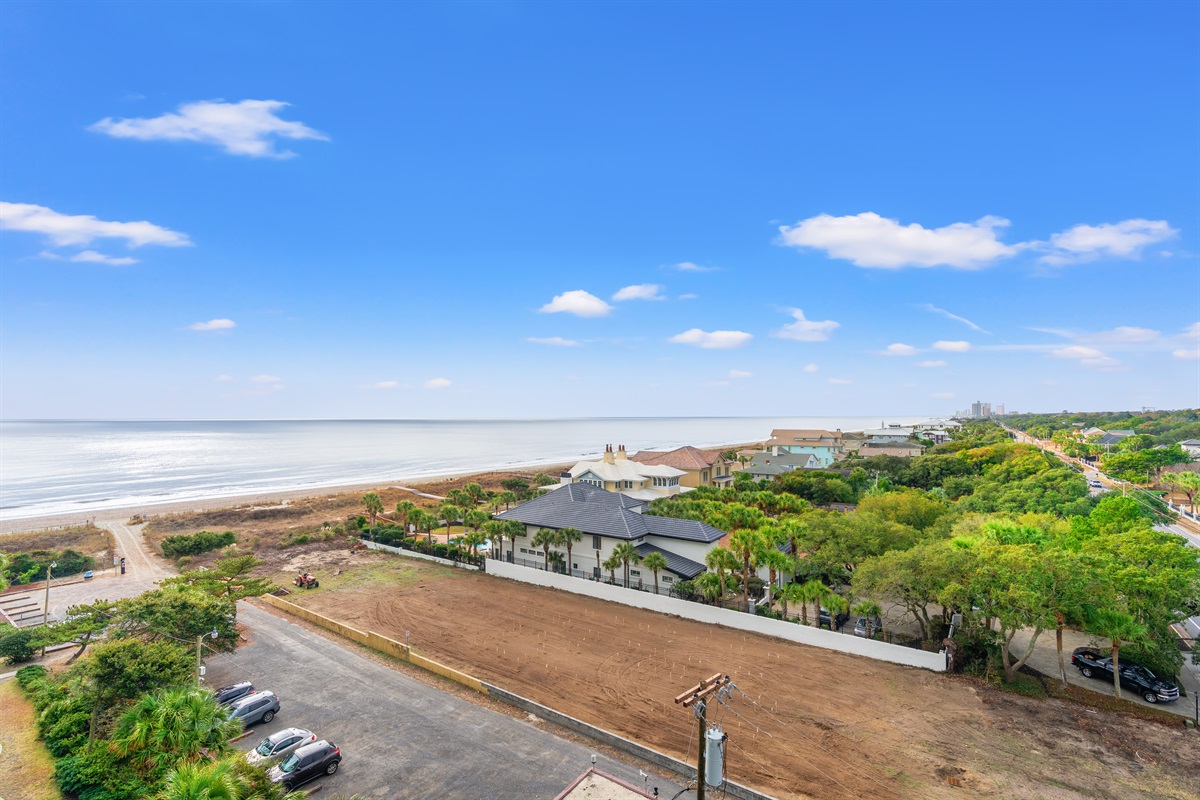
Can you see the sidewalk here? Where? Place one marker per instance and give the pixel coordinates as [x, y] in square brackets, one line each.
[1045, 661]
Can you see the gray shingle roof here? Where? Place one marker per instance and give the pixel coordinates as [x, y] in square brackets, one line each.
[596, 511]
[683, 567]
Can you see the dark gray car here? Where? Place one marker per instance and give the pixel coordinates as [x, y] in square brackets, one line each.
[257, 707]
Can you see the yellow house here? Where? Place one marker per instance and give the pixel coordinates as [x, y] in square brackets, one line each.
[700, 467]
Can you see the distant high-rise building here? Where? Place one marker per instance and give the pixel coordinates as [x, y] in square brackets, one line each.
[986, 410]
[1000, 410]
[976, 410]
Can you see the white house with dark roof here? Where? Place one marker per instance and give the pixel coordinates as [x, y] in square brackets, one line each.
[1191, 447]
[607, 519]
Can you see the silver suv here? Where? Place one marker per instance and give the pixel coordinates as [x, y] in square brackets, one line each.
[256, 707]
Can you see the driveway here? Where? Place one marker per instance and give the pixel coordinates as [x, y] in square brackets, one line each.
[1045, 661]
[399, 737]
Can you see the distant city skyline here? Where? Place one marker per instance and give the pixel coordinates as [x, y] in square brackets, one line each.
[529, 210]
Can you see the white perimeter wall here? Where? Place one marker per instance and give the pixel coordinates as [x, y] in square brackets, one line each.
[816, 637]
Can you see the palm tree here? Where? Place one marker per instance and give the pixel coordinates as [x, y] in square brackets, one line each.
[545, 538]
[792, 593]
[655, 562]
[474, 539]
[450, 513]
[202, 781]
[611, 563]
[373, 505]
[1119, 628]
[710, 586]
[745, 544]
[474, 517]
[515, 530]
[719, 559]
[460, 498]
[812, 592]
[777, 563]
[475, 492]
[1186, 482]
[493, 529]
[870, 610]
[404, 510]
[567, 537]
[558, 560]
[422, 520]
[836, 605]
[506, 497]
[626, 553]
[172, 725]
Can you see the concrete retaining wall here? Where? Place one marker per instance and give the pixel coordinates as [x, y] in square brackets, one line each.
[619, 742]
[801, 634]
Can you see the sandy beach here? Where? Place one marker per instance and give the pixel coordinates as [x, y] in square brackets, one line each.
[424, 483]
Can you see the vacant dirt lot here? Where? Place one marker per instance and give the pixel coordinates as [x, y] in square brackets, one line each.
[806, 722]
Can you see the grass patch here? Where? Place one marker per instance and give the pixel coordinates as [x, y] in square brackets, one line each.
[25, 763]
[1104, 702]
[86, 539]
[1024, 684]
[385, 569]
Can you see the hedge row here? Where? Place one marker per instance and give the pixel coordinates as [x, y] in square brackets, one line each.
[196, 543]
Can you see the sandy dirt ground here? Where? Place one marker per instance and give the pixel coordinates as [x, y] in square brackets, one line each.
[804, 723]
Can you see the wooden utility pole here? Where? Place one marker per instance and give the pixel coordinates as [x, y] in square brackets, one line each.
[698, 696]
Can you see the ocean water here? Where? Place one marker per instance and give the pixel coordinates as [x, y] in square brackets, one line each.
[81, 467]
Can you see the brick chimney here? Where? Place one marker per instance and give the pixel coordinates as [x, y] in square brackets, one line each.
[608, 454]
[621, 452]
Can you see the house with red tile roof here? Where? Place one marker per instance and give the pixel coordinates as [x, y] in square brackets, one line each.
[700, 467]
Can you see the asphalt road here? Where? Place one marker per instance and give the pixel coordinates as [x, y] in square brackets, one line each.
[401, 738]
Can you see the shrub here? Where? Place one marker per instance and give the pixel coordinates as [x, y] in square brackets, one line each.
[24, 568]
[64, 725]
[31, 678]
[196, 543]
[440, 550]
[299, 538]
[183, 562]
[17, 646]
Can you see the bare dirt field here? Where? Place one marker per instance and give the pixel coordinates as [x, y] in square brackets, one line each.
[805, 723]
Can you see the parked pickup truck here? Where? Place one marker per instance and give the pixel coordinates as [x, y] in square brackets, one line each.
[1135, 678]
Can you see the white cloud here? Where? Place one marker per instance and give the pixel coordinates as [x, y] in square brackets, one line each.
[577, 302]
[213, 325]
[811, 368]
[1125, 334]
[384, 385]
[931, 364]
[952, 347]
[688, 266]
[869, 240]
[82, 229]
[641, 291]
[807, 330]
[266, 379]
[248, 128]
[1124, 239]
[437, 383]
[688, 296]
[735, 374]
[554, 341]
[224, 378]
[1184, 353]
[934, 309]
[715, 340]
[92, 257]
[1087, 356]
[839, 381]
[942, 395]
[899, 349]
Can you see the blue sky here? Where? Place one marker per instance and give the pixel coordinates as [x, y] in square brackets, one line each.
[534, 209]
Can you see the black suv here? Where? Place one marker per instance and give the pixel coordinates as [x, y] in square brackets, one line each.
[1136, 678]
[227, 694]
[306, 763]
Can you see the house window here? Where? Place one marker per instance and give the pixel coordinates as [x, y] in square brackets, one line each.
[667, 579]
[595, 542]
[635, 573]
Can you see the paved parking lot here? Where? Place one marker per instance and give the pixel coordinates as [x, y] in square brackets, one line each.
[399, 737]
